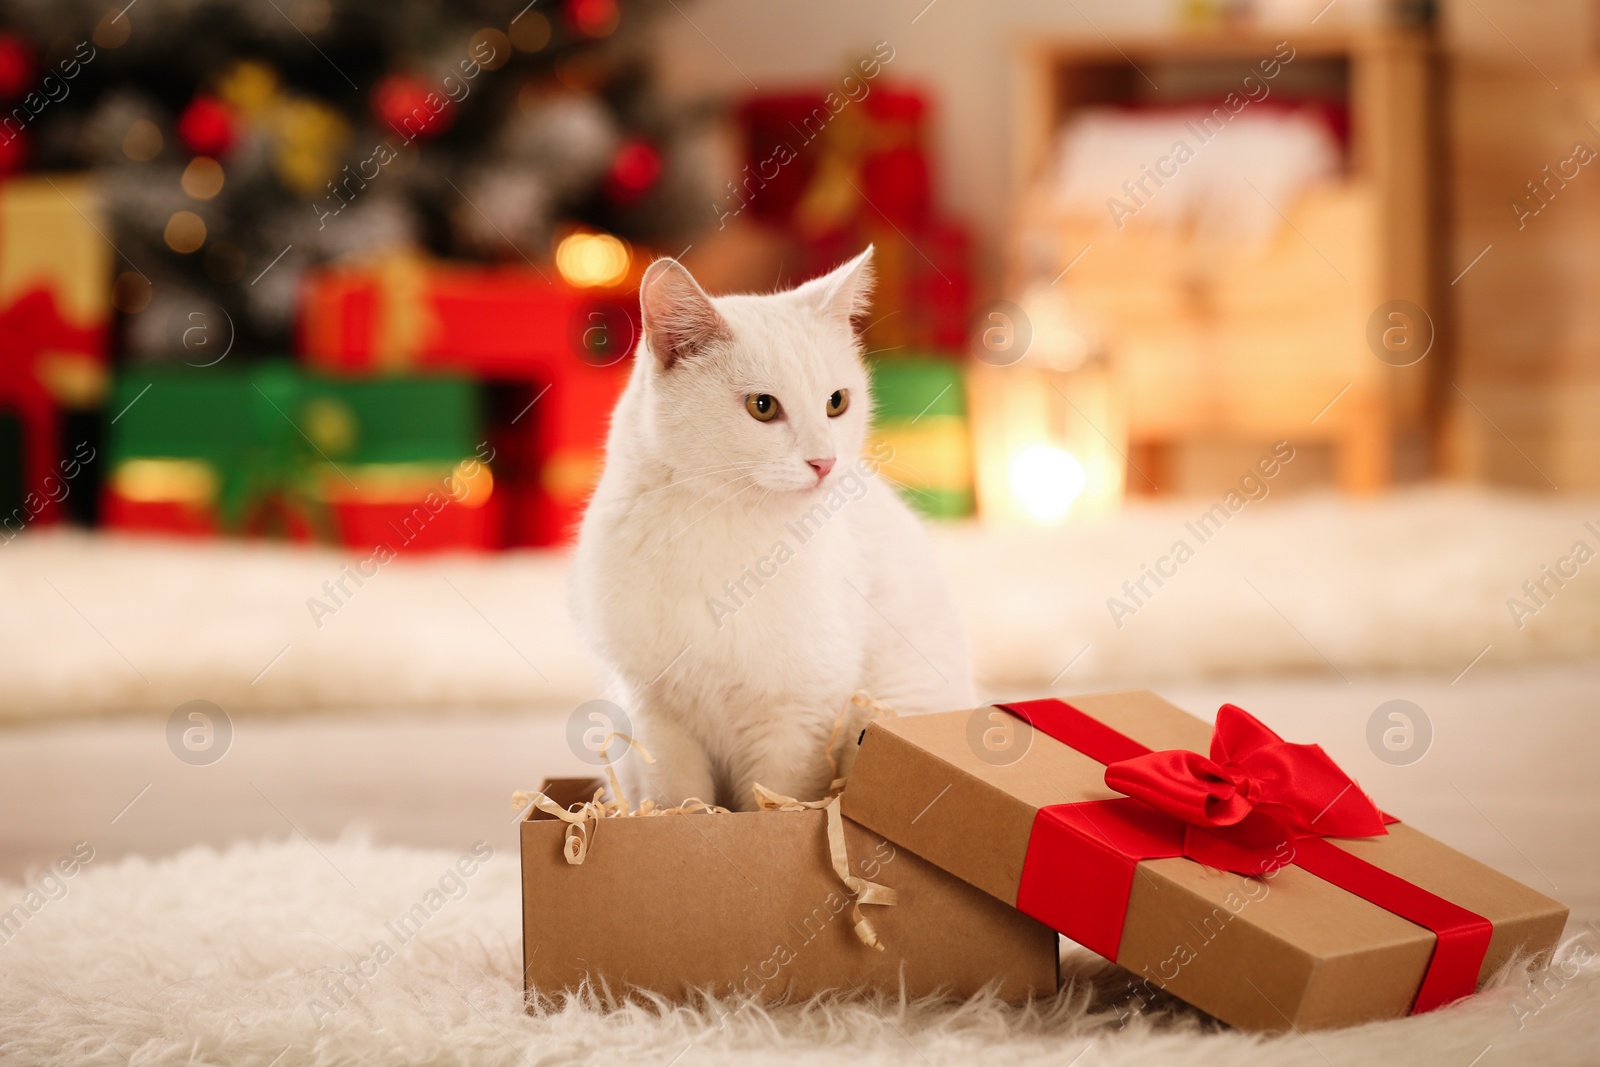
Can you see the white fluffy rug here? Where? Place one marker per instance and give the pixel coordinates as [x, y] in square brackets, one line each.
[209, 958]
[1414, 581]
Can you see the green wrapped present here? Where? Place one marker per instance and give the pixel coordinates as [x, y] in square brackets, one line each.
[920, 416]
[273, 449]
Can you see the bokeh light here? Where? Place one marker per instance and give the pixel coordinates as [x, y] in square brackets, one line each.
[186, 232]
[1045, 481]
[471, 483]
[202, 178]
[590, 260]
[494, 44]
[530, 32]
[142, 143]
[130, 293]
[113, 29]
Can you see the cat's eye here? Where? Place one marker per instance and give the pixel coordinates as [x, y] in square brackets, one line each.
[838, 403]
[763, 407]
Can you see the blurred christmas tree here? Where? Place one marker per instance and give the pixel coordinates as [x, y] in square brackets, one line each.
[239, 142]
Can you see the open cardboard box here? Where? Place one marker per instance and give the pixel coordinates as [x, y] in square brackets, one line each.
[748, 903]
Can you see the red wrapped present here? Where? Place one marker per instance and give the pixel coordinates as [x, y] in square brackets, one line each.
[896, 176]
[842, 169]
[559, 352]
[923, 288]
[54, 307]
[780, 155]
[816, 162]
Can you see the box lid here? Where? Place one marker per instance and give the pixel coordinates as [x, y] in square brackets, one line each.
[964, 790]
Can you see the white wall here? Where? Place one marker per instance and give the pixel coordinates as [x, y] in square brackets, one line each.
[959, 50]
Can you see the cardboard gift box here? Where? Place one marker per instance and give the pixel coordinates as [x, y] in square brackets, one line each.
[749, 903]
[1208, 877]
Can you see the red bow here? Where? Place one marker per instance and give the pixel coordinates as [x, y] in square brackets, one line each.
[1257, 804]
[1255, 795]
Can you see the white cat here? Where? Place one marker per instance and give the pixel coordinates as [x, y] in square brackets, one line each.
[743, 567]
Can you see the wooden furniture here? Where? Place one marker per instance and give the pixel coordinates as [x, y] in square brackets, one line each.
[1523, 88]
[1246, 343]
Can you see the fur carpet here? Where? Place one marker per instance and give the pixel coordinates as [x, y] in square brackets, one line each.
[227, 958]
[1418, 581]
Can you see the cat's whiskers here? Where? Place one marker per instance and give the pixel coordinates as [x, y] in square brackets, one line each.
[912, 489]
[753, 484]
[704, 473]
[896, 461]
[908, 487]
[712, 466]
[710, 493]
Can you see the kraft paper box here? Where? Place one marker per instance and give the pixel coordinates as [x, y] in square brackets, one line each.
[748, 902]
[994, 797]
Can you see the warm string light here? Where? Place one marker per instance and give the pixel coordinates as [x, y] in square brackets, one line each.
[130, 293]
[113, 29]
[1045, 481]
[142, 143]
[202, 178]
[591, 260]
[471, 483]
[185, 232]
[492, 43]
[530, 31]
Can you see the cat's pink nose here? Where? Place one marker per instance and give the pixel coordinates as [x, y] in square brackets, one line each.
[821, 466]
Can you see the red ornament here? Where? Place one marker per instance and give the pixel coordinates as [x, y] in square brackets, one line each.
[16, 66]
[593, 18]
[411, 108]
[208, 127]
[634, 170]
[13, 150]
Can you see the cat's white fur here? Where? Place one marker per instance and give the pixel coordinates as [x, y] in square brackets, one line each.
[733, 656]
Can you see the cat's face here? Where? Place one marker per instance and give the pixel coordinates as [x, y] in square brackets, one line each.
[768, 391]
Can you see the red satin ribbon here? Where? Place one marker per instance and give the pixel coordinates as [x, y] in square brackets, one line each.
[1256, 804]
[30, 326]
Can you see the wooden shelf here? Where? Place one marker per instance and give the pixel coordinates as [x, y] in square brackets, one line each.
[1267, 341]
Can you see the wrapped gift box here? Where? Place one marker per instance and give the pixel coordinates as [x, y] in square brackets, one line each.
[55, 274]
[772, 129]
[409, 466]
[919, 406]
[748, 903]
[558, 351]
[922, 289]
[273, 450]
[1374, 923]
[856, 177]
[803, 157]
[192, 453]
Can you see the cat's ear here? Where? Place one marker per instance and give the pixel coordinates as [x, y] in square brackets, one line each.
[846, 292]
[679, 320]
